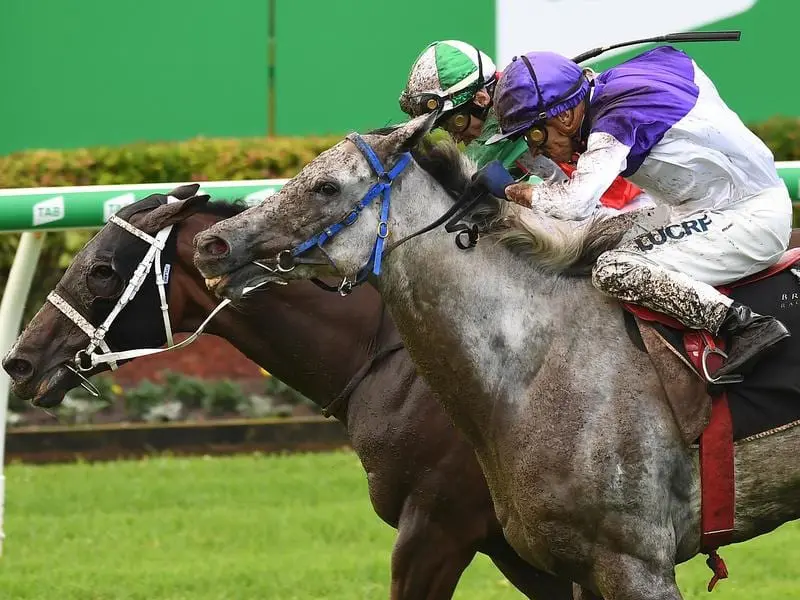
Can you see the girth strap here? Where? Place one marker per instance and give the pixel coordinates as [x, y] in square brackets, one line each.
[344, 395]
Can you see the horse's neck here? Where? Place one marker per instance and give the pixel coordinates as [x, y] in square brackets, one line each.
[480, 323]
[312, 340]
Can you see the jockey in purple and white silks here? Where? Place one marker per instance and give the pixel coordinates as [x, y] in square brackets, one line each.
[658, 121]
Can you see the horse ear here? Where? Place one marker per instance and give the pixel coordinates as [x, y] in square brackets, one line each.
[184, 192]
[407, 136]
[171, 213]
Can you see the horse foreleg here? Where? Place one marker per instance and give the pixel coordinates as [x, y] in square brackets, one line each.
[535, 584]
[427, 559]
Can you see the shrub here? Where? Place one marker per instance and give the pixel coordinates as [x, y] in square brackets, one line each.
[782, 135]
[141, 399]
[191, 392]
[224, 396]
[199, 159]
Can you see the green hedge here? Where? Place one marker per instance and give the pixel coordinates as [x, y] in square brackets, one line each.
[194, 160]
[782, 135]
[201, 160]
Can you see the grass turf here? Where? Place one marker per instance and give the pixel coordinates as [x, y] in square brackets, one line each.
[286, 527]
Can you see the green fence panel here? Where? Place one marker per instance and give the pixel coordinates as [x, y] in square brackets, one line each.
[49, 209]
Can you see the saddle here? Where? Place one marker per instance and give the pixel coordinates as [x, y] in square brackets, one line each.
[716, 414]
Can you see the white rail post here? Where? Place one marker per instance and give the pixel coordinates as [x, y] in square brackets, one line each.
[12, 306]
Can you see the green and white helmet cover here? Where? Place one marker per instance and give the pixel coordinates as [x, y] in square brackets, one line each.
[448, 69]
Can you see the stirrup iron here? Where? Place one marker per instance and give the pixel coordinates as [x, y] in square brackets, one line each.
[725, 379]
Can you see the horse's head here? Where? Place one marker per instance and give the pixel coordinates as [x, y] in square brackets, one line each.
[106, 300]
[331, 219]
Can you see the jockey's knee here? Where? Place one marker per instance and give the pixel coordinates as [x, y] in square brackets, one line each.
[610, 272]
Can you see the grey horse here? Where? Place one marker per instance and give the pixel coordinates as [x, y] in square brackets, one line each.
[592, 475]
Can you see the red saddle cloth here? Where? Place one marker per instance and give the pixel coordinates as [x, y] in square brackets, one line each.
[717, 479]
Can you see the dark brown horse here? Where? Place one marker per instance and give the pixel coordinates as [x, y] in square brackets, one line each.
[423, 476]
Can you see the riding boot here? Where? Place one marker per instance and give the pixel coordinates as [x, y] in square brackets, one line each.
[750, 335]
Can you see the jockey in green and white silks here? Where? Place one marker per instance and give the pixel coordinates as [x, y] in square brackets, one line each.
[459, 80]
[658, 120]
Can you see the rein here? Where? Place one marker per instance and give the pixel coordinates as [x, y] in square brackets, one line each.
[87, 358]
[287, 260]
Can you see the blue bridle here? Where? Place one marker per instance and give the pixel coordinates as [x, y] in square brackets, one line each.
[288, 259]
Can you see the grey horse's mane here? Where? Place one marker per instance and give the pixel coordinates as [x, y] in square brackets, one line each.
[552, 245]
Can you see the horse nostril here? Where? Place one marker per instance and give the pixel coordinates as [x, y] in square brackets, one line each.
[216, 246]
[18, 368]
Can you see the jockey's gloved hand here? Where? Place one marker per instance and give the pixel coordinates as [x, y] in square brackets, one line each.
[494, 178]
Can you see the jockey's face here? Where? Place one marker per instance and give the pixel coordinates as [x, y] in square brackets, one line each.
[474, 125]
[562, 134]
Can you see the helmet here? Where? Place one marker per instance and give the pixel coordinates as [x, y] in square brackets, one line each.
[446, 75]
[535, 87]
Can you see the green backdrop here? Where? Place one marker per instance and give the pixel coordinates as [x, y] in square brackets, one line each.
[91, 72]
[86, 72]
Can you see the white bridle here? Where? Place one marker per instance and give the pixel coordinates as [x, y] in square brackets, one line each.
[88, 358]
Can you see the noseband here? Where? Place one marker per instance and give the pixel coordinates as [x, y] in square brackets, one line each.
[87, 359]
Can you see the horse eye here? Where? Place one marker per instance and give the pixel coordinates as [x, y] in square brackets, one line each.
[102, 271]
[103, 281]
[328, 189]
